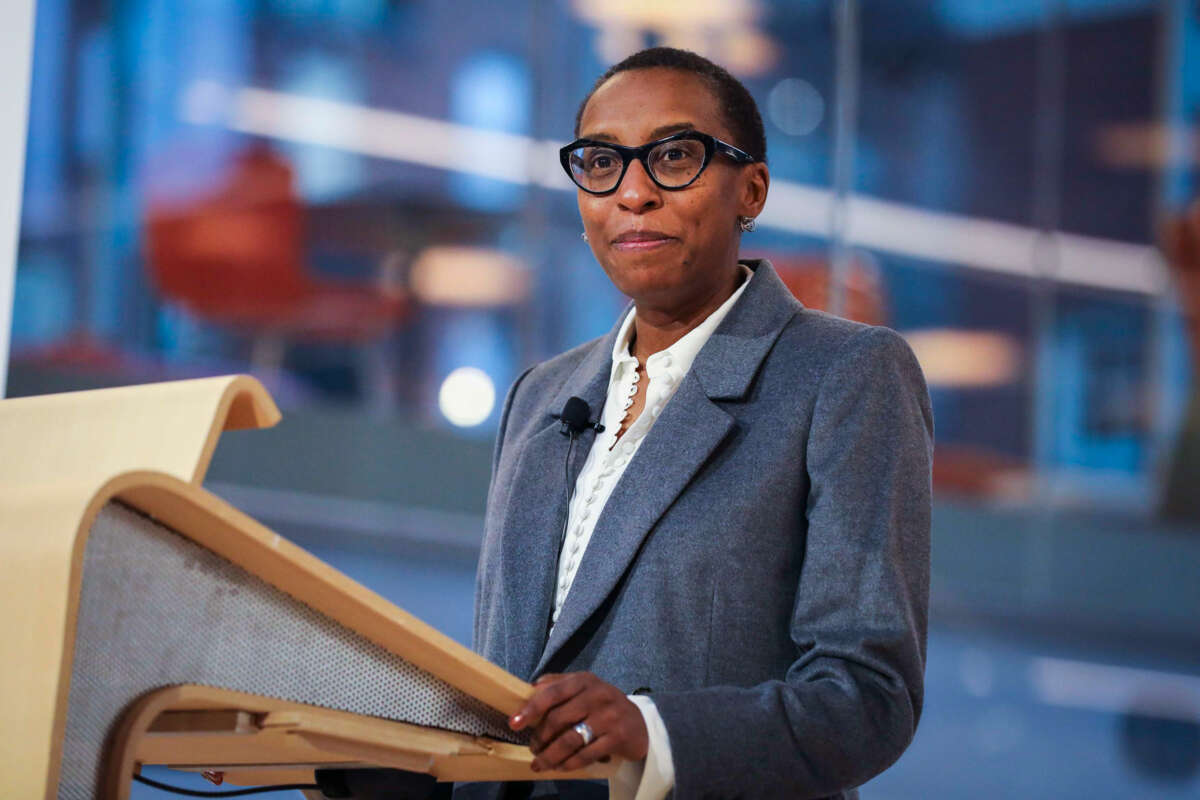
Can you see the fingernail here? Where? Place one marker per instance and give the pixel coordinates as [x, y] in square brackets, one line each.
[515, 720]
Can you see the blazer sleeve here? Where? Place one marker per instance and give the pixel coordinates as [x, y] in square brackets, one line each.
[849, 704]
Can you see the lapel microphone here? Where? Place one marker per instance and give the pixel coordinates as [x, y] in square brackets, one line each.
[574, 418]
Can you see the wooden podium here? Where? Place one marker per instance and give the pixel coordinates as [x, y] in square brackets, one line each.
[146, 621]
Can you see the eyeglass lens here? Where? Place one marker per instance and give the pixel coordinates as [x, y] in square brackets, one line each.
[672, 164]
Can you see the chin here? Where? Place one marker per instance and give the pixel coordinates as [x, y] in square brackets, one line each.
[644, 281]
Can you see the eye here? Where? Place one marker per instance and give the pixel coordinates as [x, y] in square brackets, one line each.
[597, 161]
[677, 161]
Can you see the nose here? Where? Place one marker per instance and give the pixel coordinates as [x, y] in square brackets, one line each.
[637, 192]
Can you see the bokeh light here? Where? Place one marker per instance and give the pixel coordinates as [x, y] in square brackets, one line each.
[467, 397]
[795, 107]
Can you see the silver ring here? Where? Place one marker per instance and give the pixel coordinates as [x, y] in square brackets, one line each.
[585, 732]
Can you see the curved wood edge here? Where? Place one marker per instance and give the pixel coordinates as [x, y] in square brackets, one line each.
[40, 595]
[89, 436]
[245, 404]
[286, 733]
[123, 743]
[121, 747]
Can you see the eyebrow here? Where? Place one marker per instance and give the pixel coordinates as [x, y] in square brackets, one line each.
[657, 133]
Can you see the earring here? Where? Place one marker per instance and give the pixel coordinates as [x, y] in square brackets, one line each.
[747, 224]
[583, 235]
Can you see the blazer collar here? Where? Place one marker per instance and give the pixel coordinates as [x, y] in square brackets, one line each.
[727, 363]
[691, 427]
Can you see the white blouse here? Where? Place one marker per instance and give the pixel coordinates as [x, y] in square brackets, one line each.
[606, 463]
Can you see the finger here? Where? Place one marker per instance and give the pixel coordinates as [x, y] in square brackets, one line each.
[600, 750]
[545, 698]
[561, 718]
[562, 748]
[542, 680]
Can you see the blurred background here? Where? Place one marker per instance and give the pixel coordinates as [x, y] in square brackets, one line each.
[359, 202]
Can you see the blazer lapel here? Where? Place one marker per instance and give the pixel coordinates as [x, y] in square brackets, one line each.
[536, 508]
[691, 428]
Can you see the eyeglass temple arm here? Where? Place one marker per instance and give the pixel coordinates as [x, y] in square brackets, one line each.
[733, 152]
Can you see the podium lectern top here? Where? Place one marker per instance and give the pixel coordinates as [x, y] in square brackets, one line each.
[82, 437]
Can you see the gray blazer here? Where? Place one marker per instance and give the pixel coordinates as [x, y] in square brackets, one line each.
[762, 567]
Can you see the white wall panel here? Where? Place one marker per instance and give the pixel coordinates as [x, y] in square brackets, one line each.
[16, 50]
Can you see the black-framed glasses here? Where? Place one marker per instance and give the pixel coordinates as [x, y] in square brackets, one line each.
[673, 162]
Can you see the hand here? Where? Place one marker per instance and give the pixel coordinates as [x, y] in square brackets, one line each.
[560, 702]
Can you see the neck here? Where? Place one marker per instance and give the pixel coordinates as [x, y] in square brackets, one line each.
[656, 328]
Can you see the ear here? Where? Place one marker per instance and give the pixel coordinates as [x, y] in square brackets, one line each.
[756, 179]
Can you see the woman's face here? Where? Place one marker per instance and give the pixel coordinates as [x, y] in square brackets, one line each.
[667, 249]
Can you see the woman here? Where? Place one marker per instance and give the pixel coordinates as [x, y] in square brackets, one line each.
[736, 604]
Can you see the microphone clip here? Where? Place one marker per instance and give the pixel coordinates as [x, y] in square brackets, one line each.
[575, 418]
[566, 429]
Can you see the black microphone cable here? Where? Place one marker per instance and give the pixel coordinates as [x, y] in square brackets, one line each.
[575, 417]
[166, 787]
[569, 490]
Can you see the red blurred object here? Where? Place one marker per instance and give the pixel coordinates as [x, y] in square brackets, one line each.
[975, 472]
[808, 278]
[236, 258]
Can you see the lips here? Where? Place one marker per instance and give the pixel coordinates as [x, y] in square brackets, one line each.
[641, 240]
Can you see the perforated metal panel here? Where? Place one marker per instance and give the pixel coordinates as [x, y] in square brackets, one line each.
[158, 610]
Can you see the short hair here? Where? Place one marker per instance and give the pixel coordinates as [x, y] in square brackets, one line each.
[737, 106]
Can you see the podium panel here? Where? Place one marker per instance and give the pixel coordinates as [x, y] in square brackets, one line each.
[156, 609]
